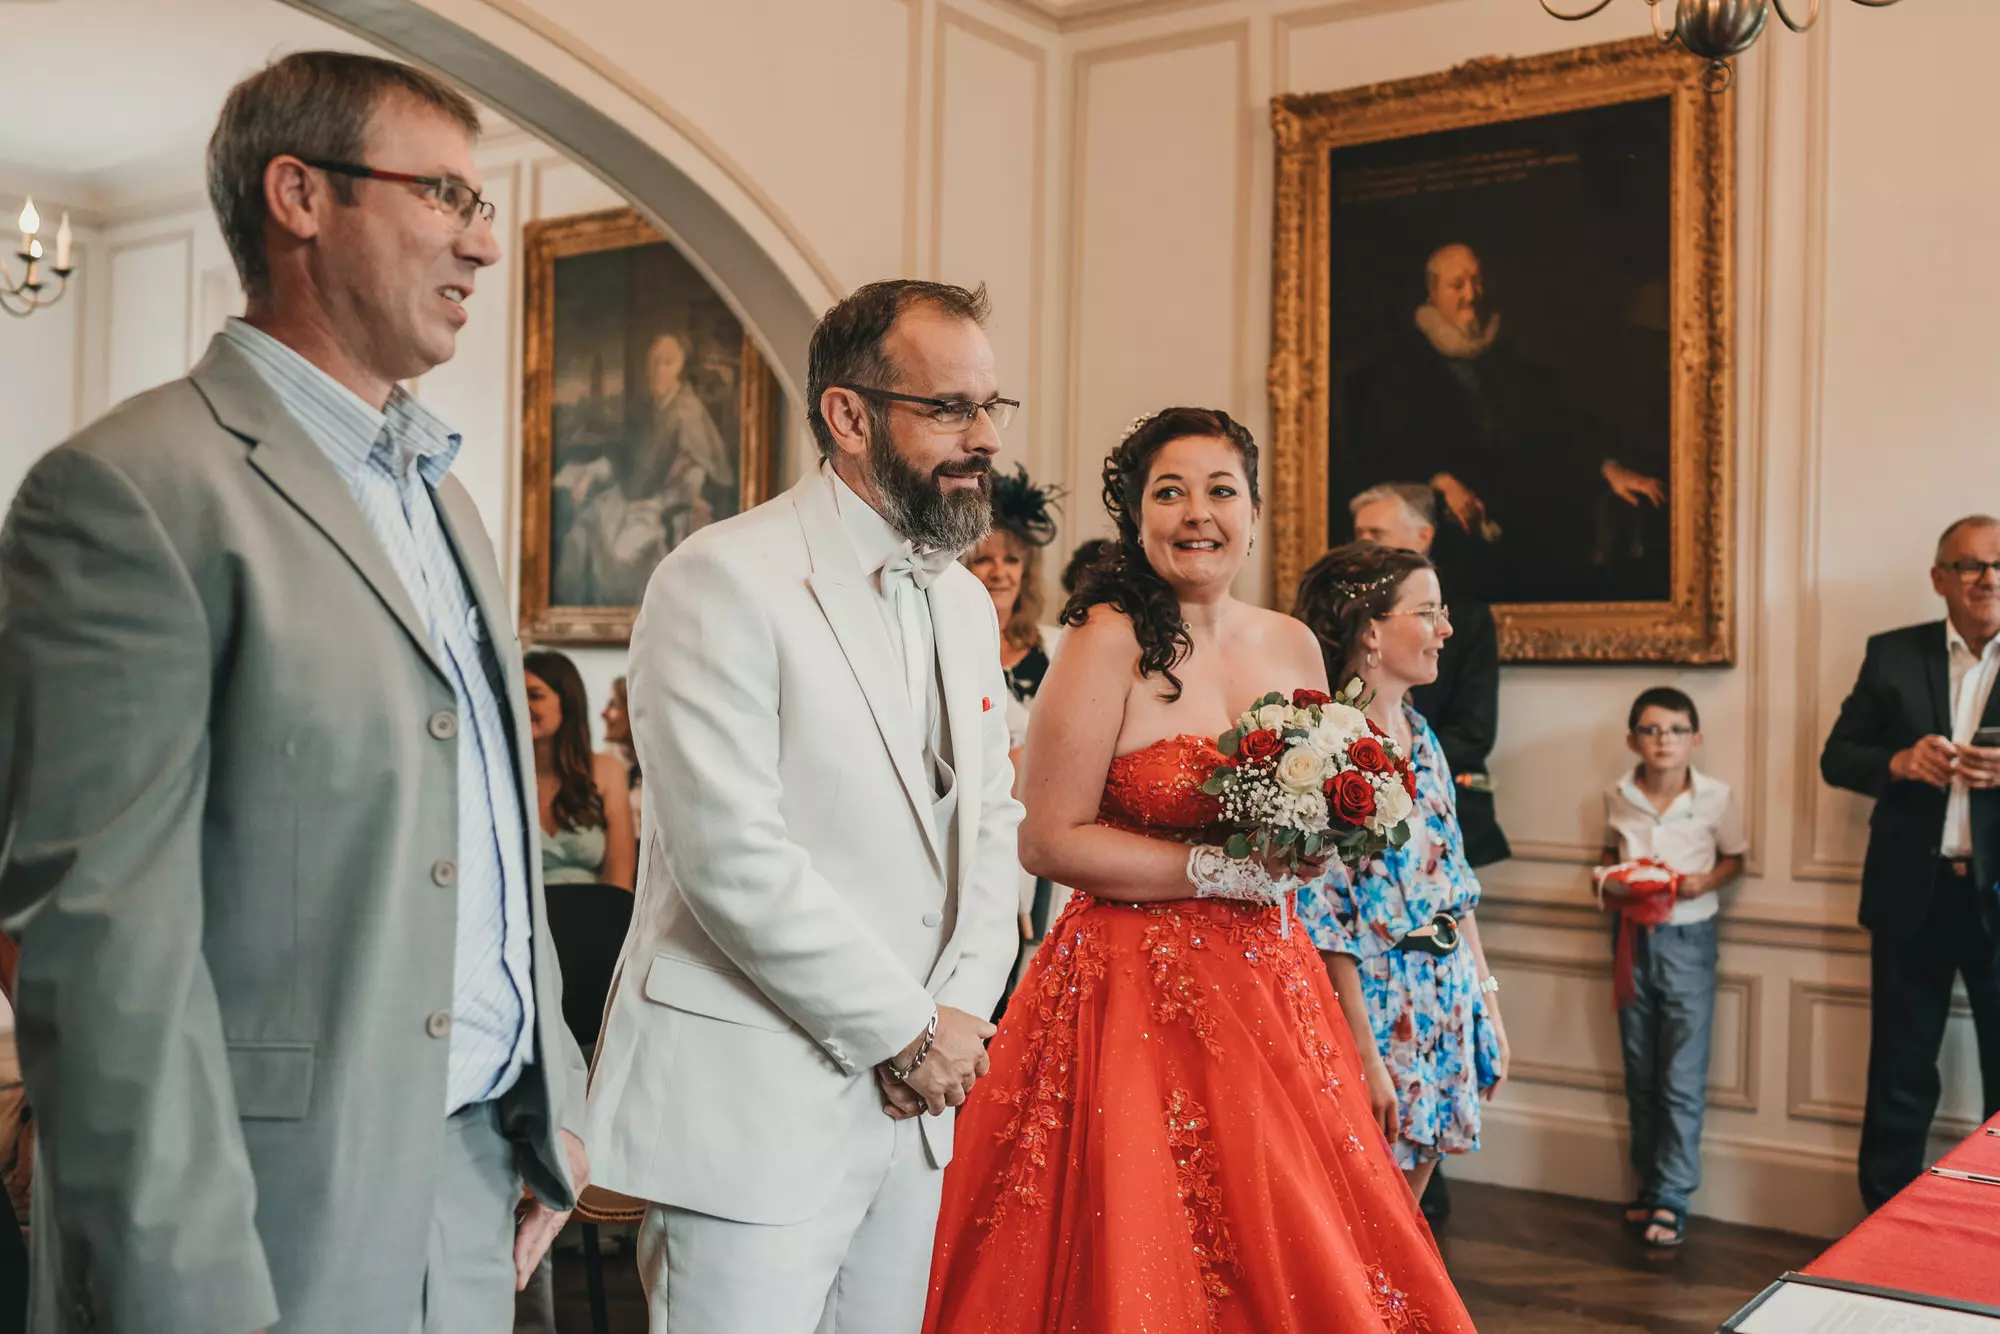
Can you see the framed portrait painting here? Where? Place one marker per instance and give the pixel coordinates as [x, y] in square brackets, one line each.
[1511, 284]
[648, 413]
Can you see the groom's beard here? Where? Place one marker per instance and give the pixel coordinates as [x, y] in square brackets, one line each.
[917, 505]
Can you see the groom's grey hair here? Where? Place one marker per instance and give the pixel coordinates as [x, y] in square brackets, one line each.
[847, 345]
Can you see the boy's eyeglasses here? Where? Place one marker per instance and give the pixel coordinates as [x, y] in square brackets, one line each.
[1652, 731]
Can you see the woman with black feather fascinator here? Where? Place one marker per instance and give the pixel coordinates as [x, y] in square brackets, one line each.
[1009, 562]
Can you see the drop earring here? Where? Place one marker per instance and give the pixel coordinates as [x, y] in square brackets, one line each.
[1374, 658]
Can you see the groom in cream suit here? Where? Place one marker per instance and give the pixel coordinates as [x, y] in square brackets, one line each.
[826, 901]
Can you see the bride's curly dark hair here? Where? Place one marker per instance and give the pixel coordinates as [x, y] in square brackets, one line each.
[1122, 576]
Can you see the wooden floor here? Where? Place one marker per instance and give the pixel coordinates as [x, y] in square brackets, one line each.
[1525, 1263]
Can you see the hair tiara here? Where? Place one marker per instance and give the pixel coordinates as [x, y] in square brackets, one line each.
[1355, 591]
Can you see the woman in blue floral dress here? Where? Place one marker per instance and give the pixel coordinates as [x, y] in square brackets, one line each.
[1427, 1013]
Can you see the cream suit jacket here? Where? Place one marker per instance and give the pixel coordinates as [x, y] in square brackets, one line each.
[797, 921]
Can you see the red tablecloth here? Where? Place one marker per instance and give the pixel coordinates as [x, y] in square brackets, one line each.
[1939, 1237]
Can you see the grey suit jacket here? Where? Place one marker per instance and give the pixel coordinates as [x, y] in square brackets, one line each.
[227, 771]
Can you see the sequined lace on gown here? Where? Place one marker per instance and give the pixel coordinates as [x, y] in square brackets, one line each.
[1175, 1136]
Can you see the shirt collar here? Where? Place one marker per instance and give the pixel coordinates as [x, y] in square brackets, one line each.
[1954, 643]
[350, 432]
[875, 542]
[1698, 785]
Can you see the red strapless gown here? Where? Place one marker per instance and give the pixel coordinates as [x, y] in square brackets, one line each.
[1175, 1135]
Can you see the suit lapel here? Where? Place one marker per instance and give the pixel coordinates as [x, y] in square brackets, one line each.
[1937, 678]
[294, 465]
[960, 680]
[466, 532]
[851, 609]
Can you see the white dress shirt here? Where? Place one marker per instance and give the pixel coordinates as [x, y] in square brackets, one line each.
[392, 462]
[1697, 829]
[1971, 683]
[876, 544]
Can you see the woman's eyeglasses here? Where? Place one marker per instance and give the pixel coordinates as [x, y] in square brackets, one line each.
[1433, 616]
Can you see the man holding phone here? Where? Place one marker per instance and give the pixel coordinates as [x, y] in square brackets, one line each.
[1921, 733]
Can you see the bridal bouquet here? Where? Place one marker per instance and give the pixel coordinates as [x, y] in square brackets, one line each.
[1312, 775]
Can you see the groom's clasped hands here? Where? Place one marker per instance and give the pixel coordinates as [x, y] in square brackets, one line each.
[948, 1059]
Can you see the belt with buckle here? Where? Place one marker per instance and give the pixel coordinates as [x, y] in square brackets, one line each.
[1438, 936]
[1959, 868]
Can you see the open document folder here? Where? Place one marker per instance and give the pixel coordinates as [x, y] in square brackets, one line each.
[1802, 1304]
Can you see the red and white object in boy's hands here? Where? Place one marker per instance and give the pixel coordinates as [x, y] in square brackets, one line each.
[1642, 893]
[1639, 879]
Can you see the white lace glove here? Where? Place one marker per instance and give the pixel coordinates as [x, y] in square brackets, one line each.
[1217, 875]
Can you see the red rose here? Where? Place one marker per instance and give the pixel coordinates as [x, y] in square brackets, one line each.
[1409, 780]
[1260, 745]
[1305, 699]
[1366, 754]
[1376, 728]
[1353, 797]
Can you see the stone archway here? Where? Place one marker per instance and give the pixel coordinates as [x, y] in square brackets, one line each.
[764, 295]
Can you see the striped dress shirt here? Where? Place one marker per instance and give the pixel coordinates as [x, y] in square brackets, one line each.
[391, 462]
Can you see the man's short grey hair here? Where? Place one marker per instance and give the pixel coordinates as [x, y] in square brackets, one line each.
[311, 104]
[1969, 521]
[1416, 498]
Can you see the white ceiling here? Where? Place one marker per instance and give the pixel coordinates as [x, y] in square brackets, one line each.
[106, 102]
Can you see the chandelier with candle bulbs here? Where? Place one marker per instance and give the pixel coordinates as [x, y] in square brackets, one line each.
[1715, 30]
[31, 292]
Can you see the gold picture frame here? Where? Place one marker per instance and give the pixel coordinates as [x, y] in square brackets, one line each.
[1694, 622]
[593, 435]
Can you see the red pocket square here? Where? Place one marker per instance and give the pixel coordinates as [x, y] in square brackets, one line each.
[985, 704]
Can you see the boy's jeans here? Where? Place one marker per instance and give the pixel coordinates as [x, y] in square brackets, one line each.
[1666, 1040]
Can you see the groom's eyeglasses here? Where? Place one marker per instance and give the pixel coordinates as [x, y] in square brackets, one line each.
[951, 414]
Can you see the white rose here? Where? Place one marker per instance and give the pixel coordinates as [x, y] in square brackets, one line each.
[1338, 727]
[1302, 769]
[1392, 804]
[1273, 716]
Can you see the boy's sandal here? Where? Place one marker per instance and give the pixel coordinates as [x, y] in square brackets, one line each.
[1638, 1214]
[1666, 1229]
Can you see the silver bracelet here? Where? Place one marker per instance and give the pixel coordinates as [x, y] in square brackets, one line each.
[930, 1036]
[1489, 985]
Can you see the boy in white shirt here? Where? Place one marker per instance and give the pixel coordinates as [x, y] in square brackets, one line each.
[1668, 811]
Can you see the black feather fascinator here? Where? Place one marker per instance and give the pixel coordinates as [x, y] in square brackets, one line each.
[1022, 508]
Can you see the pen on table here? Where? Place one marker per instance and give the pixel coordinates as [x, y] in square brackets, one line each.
[1957, 1175]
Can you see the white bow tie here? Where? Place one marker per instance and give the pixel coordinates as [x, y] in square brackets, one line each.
[921, 567]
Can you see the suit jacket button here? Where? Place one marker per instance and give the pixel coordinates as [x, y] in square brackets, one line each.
[444, 873]
[933, 918]
[444, 724]
[438, 1024]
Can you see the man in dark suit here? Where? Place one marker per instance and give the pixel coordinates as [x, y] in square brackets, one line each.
[1463, 704]
[1905, 737]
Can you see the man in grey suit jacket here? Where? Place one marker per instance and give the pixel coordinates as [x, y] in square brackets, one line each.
[289, 1012]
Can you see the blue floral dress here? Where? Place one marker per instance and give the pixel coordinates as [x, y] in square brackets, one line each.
[1429, 1022]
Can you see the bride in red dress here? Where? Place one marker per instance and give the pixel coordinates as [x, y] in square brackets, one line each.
[1175, 1135]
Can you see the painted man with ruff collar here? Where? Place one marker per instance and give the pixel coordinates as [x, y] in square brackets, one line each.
[1454, 402]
